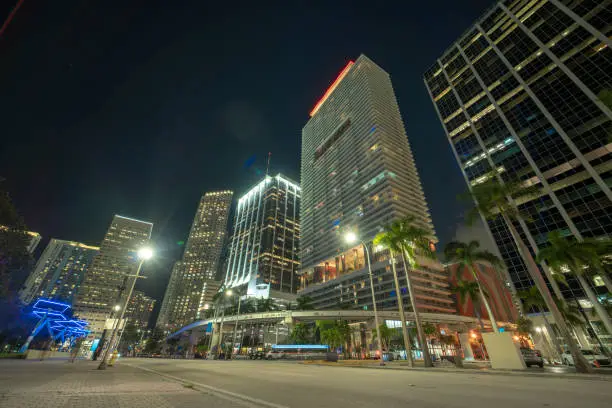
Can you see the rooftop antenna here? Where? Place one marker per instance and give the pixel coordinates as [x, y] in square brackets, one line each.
[268, 163]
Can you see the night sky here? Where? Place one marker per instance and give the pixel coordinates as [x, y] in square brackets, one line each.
[137, 107]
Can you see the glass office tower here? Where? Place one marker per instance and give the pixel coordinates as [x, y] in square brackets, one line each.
[525, 94]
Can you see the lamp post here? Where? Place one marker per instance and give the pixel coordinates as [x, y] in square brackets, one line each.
[236, 325]
[144, 254]
[351, 238]
[228, 293]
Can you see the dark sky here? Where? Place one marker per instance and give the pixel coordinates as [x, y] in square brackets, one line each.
[136, 107]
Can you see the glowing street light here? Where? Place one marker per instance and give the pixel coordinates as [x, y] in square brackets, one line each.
[350, 237]
[539, 329]
[229, 292]
[144, 254]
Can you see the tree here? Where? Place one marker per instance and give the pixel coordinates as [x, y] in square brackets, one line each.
[467, 256]
[332, 337]
[524, 326]
[300, 333]
[265, 305]
[605, 95]
[413, 242]
[493, 200]
[154, 342]
[130, 336]
[467, 290]
[386, 334]
[575, 257]
[304, 303]
[15, 260]
[388, 239]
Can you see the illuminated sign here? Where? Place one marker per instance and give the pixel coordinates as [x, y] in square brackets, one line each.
[331, 88]
[299, 347]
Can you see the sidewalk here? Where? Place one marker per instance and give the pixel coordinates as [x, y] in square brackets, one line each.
[58, 383]
[469, 369]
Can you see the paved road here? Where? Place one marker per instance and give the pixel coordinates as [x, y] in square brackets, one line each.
[278, 384]
[153, 383]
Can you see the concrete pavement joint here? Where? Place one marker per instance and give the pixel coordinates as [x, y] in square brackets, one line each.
[218, 392]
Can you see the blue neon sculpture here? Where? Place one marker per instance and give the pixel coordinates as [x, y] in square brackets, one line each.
[55, 316]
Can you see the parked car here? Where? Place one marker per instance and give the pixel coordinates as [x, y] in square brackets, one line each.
[590, 355]
[532, 357]
[257, 355]
[275, 355]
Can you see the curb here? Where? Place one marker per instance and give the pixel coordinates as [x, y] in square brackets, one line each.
[583, 377]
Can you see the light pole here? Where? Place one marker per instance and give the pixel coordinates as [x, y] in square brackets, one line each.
[236, 325]
[228, 293]
[351, 238]
[143, 254]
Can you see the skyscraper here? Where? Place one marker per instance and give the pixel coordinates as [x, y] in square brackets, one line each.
[193, 281]
[264, 248]
[108, 273]
[139, 309]
[521, 97]
[59, 271]
[358, 175]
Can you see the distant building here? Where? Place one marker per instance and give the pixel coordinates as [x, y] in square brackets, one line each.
[193, 280]
[498, 294]
[107, 276]
[264, 248]
[139, 309]
[59, 271]
[358, 175]
[34, 241]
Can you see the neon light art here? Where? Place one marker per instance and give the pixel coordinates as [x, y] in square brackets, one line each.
[332, 87]
[55, 316]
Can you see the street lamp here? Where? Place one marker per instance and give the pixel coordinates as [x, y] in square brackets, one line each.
[350, 238]
[117, 308]
[144, 254]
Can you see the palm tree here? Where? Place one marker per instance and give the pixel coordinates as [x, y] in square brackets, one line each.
[265, 305]
[387, 239]
[386, 334]
[300, 333]
[470, 291]
[414, 242]
[304, 303]
[467, 256]
[576, 257]
[492, 200]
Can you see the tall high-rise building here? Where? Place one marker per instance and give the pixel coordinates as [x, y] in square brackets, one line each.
[264, 249]
[139, 309]
[193, 281]
[109, 272]
[358, 175]
[59, 271]
[521, 96]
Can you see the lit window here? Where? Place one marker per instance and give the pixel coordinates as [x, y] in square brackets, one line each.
[599, 281]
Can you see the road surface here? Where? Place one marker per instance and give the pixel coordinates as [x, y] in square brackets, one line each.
[280, 384]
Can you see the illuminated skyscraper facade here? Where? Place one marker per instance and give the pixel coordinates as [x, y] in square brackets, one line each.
[358, 175]
[59, 271]
[194, 282]
[139, 309]
[264, 248]
[110, 270]
[522, 97]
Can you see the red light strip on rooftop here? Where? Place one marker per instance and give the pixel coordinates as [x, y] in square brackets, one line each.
[332, 87]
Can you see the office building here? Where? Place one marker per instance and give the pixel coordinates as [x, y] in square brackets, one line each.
[108, 275]
[492, 281]
[358, 175]
[193, 281]
[59, 271]
[521, 96]
[264, 249]
[139, 309]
